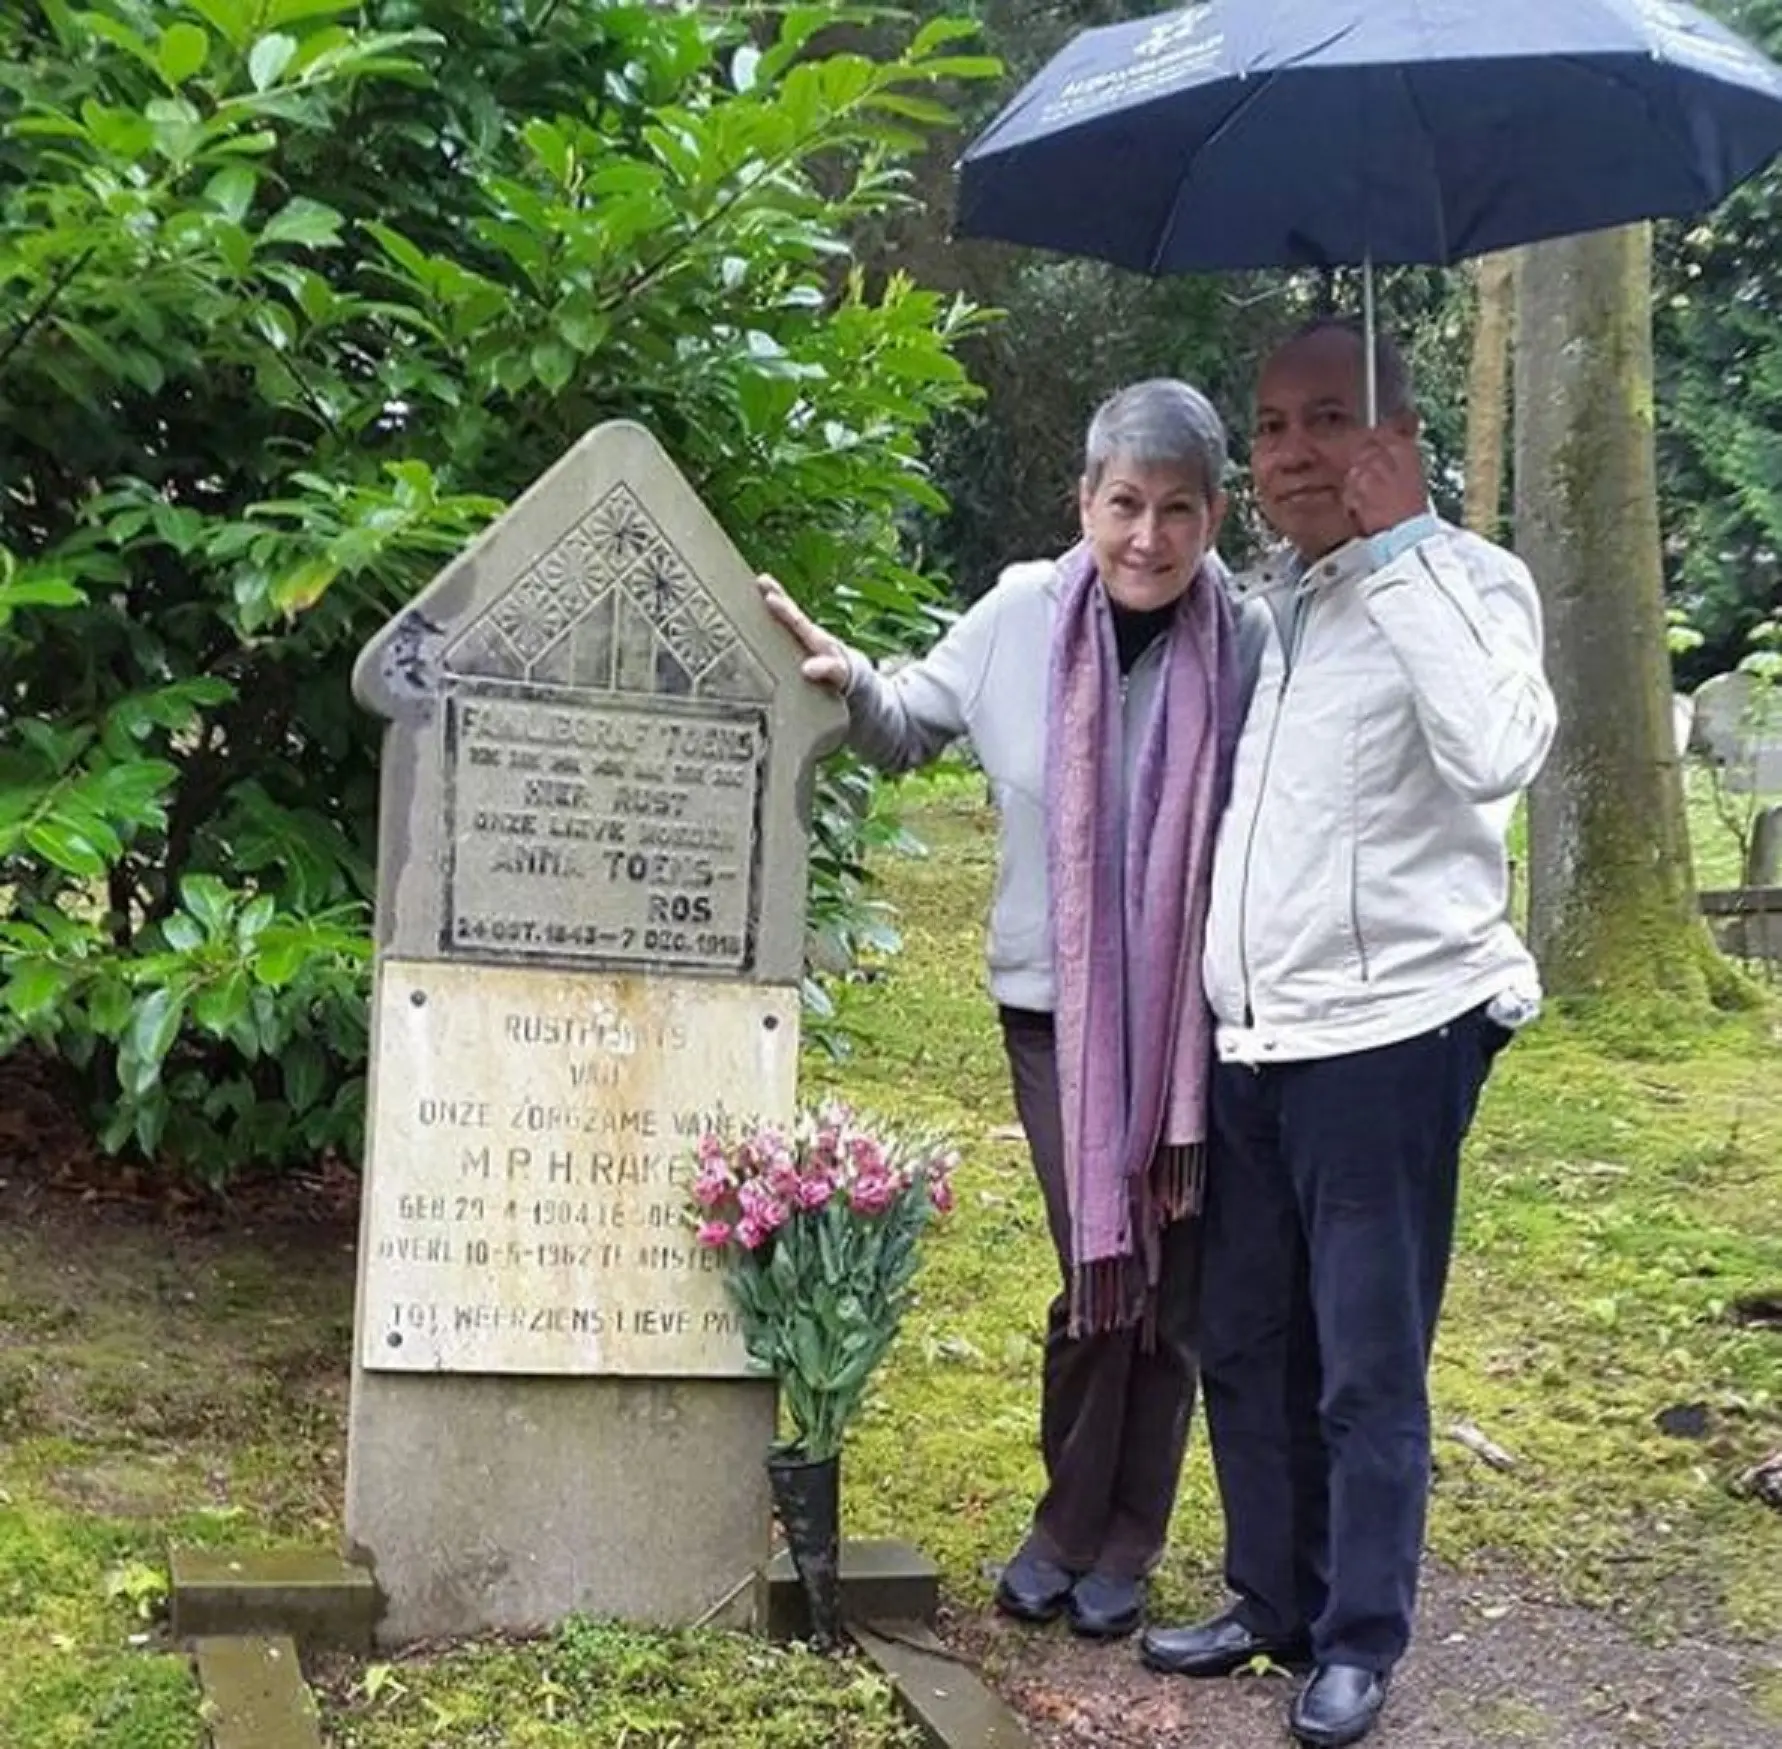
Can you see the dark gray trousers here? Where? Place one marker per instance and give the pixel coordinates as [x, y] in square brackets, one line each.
[1113, 1414]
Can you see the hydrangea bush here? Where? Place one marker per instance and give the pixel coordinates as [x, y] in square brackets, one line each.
[820, 1226]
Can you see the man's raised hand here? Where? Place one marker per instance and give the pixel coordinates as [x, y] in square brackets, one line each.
[1385, 485]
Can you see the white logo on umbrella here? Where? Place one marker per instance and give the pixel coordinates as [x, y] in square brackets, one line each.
[1171, 33]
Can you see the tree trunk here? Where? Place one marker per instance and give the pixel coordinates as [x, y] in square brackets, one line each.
[1612, 906]
[1487, 393]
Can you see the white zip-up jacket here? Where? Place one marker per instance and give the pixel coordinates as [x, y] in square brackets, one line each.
[988, 679]
[1360, 882]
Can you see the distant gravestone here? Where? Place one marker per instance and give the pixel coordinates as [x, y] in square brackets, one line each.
[590, 924]
[1738, 725]
[1763, 864]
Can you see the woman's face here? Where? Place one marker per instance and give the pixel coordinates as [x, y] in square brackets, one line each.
[1148, 527]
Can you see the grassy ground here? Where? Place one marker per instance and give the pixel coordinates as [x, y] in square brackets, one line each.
[159, 1384]
[149, 1391]
[1616, 1207]
[594, 1684]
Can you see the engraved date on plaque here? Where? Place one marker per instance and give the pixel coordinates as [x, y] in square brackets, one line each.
[534, 1132]
[600, 832]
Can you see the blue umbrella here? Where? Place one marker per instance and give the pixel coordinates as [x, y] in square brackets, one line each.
[1318, 133]
[1296, 133]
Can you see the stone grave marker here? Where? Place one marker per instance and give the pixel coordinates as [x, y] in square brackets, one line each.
[1739, 728]
[590, 925]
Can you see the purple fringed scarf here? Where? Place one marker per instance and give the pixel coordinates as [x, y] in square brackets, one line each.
[1128, 913]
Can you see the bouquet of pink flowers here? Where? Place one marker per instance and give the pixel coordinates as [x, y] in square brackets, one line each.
[820, 1226]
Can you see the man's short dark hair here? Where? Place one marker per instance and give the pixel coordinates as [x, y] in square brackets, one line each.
[1392, 376]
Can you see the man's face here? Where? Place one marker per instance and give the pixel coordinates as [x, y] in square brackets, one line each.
[1310, 428]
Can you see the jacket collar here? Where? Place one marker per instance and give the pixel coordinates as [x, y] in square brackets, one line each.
[1284, 569]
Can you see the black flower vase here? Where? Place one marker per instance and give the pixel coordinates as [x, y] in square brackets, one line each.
[807, 1502]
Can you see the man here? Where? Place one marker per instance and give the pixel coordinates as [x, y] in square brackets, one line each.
[1362, 974]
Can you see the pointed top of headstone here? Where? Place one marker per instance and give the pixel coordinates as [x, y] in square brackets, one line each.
[609, 575]
[600, 742]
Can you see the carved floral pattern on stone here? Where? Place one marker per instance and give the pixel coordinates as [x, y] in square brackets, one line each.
[612, 607]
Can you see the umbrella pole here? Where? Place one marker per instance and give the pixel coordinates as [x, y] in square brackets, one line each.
[1367, 320]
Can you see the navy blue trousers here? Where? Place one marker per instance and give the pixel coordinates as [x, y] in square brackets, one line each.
[1329, 1222]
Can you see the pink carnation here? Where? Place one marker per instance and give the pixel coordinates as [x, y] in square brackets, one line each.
[710, 1151]
[760, 1205]
[872, 1192]
[815, 1190]
[750, 1232]
[712, 1185]
[867, 1155]
[714, 1233]
[940, 1193]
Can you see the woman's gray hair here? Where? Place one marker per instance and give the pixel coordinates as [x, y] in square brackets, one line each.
[1159, 423]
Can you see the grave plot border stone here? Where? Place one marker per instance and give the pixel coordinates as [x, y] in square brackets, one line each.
[254, 1693]
[319, 1600]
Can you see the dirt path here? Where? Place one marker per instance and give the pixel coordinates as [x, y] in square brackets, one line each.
[1489, 1669]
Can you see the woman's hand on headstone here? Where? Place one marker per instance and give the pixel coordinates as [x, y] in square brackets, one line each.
[826, 657]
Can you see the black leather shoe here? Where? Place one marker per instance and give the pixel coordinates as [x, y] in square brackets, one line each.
[1104, 1608]
[1033, 1589]
[1217, 1648]
[1338, 1706]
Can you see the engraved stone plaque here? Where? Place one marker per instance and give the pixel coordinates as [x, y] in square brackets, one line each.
[534, 1133]
[599, 832]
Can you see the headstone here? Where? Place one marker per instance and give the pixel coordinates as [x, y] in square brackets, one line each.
[590, 923]
[1738, 726]
[1763, 864]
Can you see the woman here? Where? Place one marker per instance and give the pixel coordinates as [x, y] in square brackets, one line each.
[1101, 693]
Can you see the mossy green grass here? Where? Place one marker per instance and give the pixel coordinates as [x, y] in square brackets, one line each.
[1622, 1198]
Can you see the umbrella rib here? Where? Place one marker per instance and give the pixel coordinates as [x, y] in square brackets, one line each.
[1417, 109]
[1258, 89]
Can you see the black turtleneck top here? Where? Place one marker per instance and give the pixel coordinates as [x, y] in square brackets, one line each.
[1136, 629]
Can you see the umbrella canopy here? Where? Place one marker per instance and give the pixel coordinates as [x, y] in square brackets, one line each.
[1316, 133]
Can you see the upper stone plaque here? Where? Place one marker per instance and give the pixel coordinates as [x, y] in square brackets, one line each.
[600, 743]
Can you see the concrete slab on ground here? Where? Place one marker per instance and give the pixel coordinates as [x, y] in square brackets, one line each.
[942, 1696]
[318, 1599]
[254, 1694]
[882, 1579]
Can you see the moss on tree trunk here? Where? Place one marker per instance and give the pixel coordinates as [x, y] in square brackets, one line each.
[1612, 907]
[1487, 392]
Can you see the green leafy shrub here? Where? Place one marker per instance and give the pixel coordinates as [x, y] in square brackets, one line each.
[297, 294]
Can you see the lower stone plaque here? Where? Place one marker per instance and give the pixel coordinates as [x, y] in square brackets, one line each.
[531, 1143]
